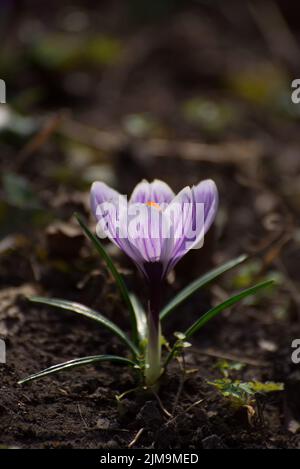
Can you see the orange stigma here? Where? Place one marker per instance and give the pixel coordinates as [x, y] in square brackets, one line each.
[153, 204]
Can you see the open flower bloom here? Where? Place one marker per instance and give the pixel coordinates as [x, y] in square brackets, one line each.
[155, 228]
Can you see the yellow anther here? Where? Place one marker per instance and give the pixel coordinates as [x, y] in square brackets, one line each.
[153, 204]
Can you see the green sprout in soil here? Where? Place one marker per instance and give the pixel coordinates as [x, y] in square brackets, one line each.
[242, 394]
[148, 353]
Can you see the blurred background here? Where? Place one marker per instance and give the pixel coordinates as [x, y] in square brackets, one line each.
[121, 90]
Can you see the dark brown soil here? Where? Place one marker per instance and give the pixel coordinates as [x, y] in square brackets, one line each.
[79, 409]
[171, 57]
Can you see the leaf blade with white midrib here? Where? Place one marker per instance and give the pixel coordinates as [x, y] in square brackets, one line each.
[199, 283]
[87, 312]
[77, 362]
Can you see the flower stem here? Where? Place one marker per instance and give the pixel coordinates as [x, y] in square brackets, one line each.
[153, 349]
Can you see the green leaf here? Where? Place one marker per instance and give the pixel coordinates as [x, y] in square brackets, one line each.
[141, 318]
[269, 386]
[243, 393]
[226, 304]
[226, 367]
[76, 363]
[239, 393]
[199, 283]
[89, 313]
[118, 278]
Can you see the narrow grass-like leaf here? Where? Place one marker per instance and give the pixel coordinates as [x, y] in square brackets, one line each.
[141, 318]
[89, 313]
[76, 363]
[226, 304]
[214, 312]
[199, 283]
[118, 277]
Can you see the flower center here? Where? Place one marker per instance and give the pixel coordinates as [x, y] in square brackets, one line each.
[153, 204]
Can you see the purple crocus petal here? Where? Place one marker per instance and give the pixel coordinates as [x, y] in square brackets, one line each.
[206, 192]
[195, 223]
[131, 246]
[145, 234]
[117, 222]
[156, 191]
[180, 218]
[101, 194]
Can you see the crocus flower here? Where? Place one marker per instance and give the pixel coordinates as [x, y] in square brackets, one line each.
[170, 226]
[153, 253]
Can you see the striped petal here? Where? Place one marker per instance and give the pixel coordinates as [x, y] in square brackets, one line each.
[192, 212]
[110, 210]
[157, 191]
